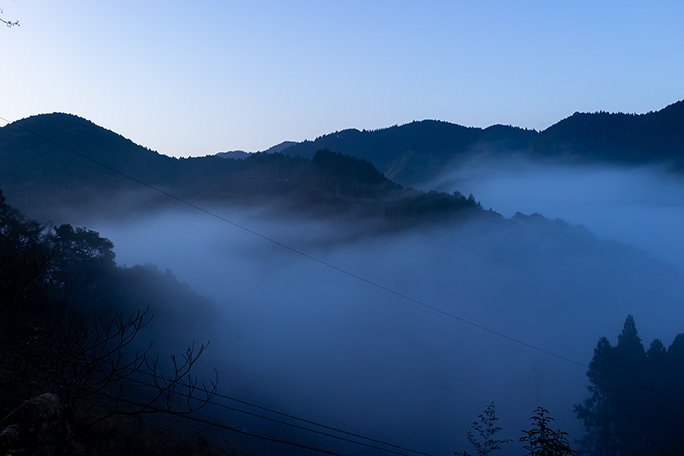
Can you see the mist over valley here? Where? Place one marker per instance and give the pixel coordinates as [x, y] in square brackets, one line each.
[376, 291]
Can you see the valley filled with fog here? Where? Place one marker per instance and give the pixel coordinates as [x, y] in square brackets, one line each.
[639, 206]
[342, 228]
[334, 294]
[328, 327]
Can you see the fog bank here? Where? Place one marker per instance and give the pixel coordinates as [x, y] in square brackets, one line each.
[643, 207]
[306, 339]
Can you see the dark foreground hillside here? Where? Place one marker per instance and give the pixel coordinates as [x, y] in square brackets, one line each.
[78, 373]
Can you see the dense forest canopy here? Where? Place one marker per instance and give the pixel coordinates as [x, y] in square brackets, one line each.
[60, 170]
[83, 164]
[414, 153]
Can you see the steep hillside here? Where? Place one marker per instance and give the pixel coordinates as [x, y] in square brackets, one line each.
[59, 163]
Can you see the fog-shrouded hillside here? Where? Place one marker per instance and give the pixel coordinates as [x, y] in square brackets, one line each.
[304, 338]
[320, 307]
[414, 154]
[403, 336]
[50, 160]
[56, 163]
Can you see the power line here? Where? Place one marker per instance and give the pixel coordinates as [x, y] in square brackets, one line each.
[286, 415]
[306, 255]
[125, 378]
[314, 423]
[319, 424]
[274, 420]
[226, 427]
[151, 409]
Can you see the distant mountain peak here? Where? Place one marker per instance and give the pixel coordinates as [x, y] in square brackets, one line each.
[241, 154]
[234, 154]
[278, 148]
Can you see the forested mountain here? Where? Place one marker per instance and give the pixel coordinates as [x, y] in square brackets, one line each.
[414, 153]
[527, 270]
[66, 162]
[617, 138]
[49, 160]
[271, 150]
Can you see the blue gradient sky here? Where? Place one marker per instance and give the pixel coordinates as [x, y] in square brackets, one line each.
[195, 78]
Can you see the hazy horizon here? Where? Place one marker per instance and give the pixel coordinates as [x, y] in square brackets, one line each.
[406, 332]
[194, 80]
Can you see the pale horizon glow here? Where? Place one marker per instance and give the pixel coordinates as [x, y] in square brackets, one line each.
[193, 79]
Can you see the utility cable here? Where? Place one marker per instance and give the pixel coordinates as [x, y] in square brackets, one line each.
[125, 377]
[319, 424]
[293, 417]
[224, 426]
[148, 408]
[296, 426]
[306, 255]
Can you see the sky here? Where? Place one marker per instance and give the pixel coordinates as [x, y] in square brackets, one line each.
[196, 78]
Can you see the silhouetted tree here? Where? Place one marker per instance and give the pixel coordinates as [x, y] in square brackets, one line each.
[24, 255]
[486, 428]
[635, 401]
[82, 261]
[93, 371]
[63, 374]
[542, 440]
[597, 411]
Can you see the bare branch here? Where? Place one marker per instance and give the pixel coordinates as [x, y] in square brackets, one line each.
[8, 23]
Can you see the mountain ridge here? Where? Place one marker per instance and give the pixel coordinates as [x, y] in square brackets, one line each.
[40, 168]
[416, 152]
[64, 161]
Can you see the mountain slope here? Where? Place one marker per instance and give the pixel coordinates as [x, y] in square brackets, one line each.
[617, 138]
[49, 157]
[66, 163]
[413, 152]
[37, 171]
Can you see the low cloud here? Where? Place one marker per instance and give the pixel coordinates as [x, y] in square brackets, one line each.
[297, 335]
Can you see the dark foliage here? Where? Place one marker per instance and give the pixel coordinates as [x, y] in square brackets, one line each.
[617, 138]
[485, 442]
[417, 152]
[412, 153]
[542, 439]
[25, 256]
[38, 173]
[636, 398]
[45, 179]
[69, 362]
